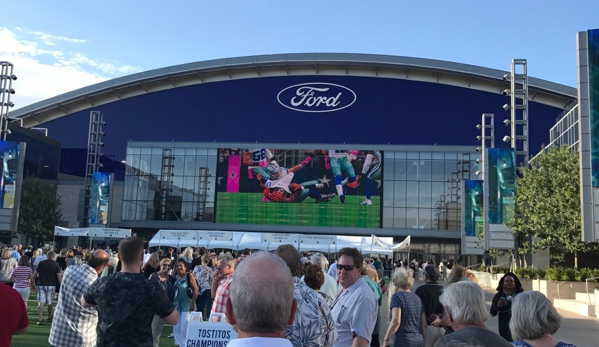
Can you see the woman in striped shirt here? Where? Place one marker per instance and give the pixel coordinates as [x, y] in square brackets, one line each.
[21, 275]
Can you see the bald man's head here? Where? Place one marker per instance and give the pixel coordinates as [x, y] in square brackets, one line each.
[99, 259]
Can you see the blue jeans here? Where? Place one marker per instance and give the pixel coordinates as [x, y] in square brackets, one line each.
[204, 304]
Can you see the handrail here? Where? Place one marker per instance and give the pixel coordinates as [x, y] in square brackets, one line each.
[558, 293]
[479, 264]
[586, 284]
[492, 266]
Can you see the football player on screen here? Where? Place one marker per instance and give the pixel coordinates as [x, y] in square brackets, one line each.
[338, 160]
[257, 159]
[372, 171]
[278, 188]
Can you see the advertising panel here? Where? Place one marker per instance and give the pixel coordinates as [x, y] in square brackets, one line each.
[473, 222]
[501, 184]
[299, 187]
[100, 198]
[10, 159]
[500, 188]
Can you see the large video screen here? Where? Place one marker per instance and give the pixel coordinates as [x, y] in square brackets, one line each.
[100, 198]
[325, 187]
[473, 208]
[10, 161]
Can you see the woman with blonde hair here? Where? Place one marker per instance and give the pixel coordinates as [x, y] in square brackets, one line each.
[61, 259]
[70, 258]
[408, 320]
[151, 266]
[8, 265]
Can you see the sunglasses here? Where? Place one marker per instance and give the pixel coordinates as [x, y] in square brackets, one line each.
[346, 267]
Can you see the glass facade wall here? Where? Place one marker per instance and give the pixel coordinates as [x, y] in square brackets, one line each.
[422, 188]
[169, 183]
[565, 131]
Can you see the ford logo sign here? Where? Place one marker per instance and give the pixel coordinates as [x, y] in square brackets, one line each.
[316, 97]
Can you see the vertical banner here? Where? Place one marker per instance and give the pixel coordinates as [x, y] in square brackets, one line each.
[100, 198]
[473, 217]
[500, 184]
[233, 173]
[10, 160]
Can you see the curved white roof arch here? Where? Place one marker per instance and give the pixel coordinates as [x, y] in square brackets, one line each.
[299, 64]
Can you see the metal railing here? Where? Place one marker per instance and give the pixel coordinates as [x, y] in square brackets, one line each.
[490, 269]
[586, 284]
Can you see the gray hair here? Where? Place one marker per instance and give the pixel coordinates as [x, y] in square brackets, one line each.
[227, 257]
[533, 316]
[262, 294]
[465, 301]
[403, 278]
[320, 260]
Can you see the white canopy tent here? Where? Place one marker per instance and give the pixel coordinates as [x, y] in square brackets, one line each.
[91, 233]
[238, 240]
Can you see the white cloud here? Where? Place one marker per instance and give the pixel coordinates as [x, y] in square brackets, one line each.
[44, 73]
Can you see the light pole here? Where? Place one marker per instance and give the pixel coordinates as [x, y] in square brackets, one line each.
[6, 90]
[518, 121]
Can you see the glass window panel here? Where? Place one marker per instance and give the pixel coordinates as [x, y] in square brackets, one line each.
[439, 155]
[211, 165]
[189, 184]
[425, 195]
[400, 169]
[412, 218]
[425, 170]
[389, 154]
[413, 155]
[425, 218]
[190, 165]
[388, 168]
[413, 170]
[179, 163]
[201, 161]
[157, 151]
[437, 190]
[451, 156]
[388, 193]
[204, 151]
[438, 170]
[156, 165]
[387, 217]
[450, 167]
[179, 151]
[425, 155]
[177, 185]
[190, 151]
[188, 211]
[399, 218]
[400, 155]
[399, 196]
[412, 188]
[146, 150]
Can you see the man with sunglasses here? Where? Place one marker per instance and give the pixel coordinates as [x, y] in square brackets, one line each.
[221, 281]
[355, 309]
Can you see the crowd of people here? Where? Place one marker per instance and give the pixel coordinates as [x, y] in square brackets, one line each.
[285, 298]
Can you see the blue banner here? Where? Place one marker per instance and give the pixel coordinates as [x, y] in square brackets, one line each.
[501, 184]
[473, 208]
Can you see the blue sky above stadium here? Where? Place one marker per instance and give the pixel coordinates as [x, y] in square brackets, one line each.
[60, 46]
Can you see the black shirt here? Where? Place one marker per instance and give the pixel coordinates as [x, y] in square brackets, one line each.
[126, 305]
[48, 270]
[429, 294]
[149, 270]
[62, 261]
[195, 262]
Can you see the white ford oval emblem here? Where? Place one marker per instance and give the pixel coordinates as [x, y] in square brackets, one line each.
[316, 97]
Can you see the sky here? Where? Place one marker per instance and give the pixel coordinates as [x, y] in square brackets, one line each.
[59, 46]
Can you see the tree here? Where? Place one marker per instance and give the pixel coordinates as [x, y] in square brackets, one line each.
[39, 210]
[548, 204]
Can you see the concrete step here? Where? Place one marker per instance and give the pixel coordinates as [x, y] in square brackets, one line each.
[575, 306]
[583, 297]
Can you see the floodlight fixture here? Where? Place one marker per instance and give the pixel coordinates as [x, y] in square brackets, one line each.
[478, 172]
[506, 77]
[506, 106]
[506, 92]
[507, 138]
[478, 149]
[478, 126]
[478, 138]
[507, 122]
